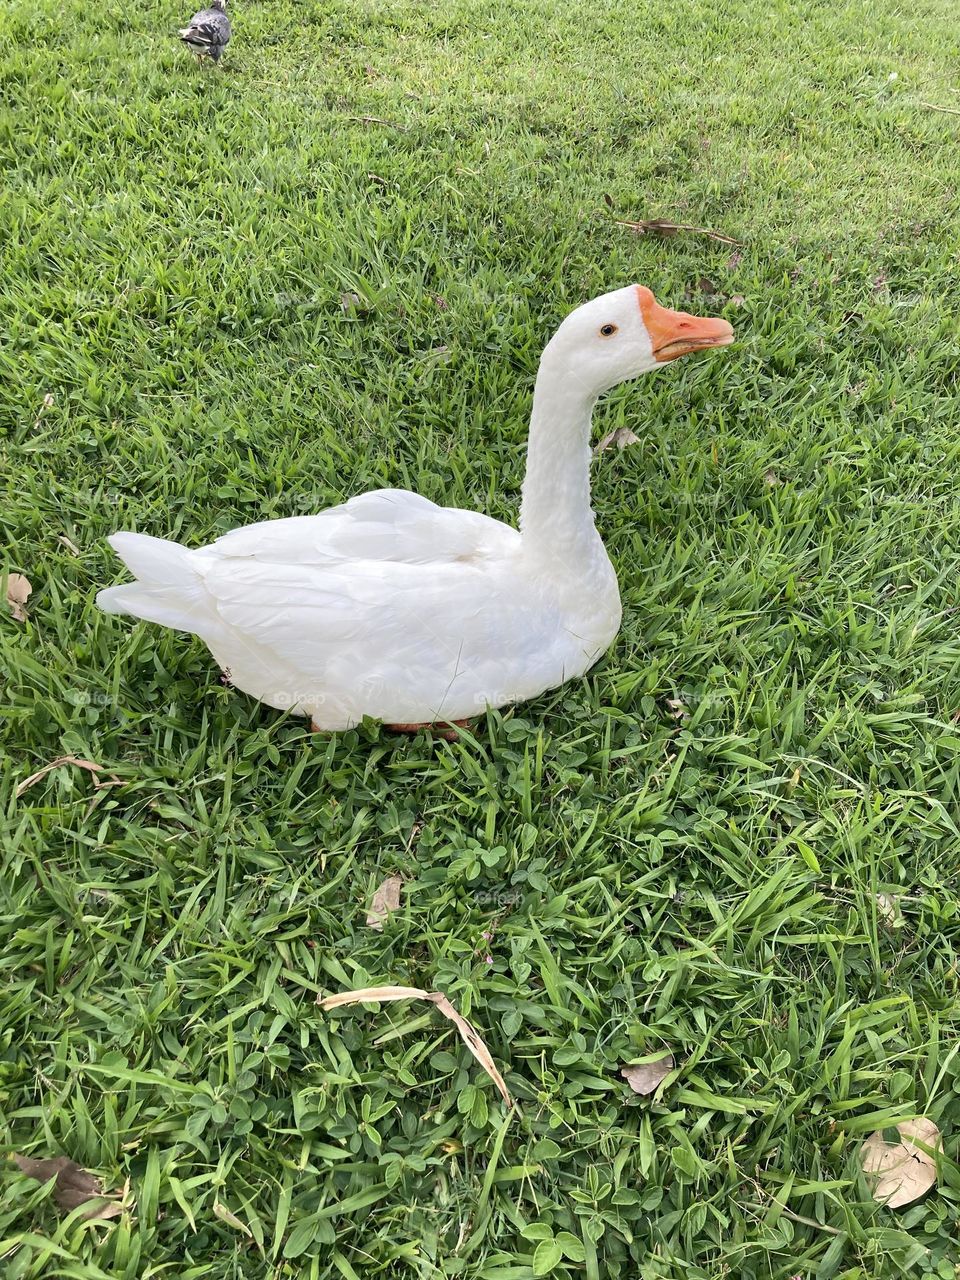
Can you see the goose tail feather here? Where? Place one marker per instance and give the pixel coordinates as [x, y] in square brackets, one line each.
[168, 588]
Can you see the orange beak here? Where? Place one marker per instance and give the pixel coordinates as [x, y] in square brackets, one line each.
[674, 333]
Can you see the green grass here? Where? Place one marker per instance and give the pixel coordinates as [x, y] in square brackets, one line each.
[174, 244]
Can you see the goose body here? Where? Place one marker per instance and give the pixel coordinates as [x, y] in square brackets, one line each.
[393, 607]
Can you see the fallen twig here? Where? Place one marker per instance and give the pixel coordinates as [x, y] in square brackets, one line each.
[661, 227]
[391, 124]
[947, 111]
[797, 1217]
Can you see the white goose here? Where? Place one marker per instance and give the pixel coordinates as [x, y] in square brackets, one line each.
[392, 607]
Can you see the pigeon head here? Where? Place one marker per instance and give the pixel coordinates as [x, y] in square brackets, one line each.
[219, 4]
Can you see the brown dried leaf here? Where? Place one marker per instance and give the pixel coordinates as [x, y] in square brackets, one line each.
[771, 479]
[18, 588]
[474, 1042]
[644, 1077]
[678, 709]
[75, 1187]
[371, 995]
[70, 545]
[622, 437]
[350, 304]
[470, 1036]
[223, 1213]
[902, 1172]
[888, 909]
[661, 227]
[90, 765]
[385, 900]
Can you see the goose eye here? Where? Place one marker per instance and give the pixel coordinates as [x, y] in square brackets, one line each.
[608, 330]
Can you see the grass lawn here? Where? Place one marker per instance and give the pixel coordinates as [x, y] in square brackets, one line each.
[682, 852]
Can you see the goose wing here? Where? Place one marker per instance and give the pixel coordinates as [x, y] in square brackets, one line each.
[415, 608]
[388, 524]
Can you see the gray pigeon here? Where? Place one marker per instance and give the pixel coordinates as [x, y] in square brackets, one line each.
[209, 31]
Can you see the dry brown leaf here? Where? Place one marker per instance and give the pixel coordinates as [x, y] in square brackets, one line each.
[474, 1042]
[385, 900]
[75, 1187]
[678, 709]
[90, 765]
[888, 909]
[18, 588]
[622, 437]
[70, 545]
[902, 1172]
[470, 1036]
[223, 1213]
[661, 227]
[371, 995]
[771, 479]
[644, 1077]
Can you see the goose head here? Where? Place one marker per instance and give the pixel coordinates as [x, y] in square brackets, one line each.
[620, 335]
